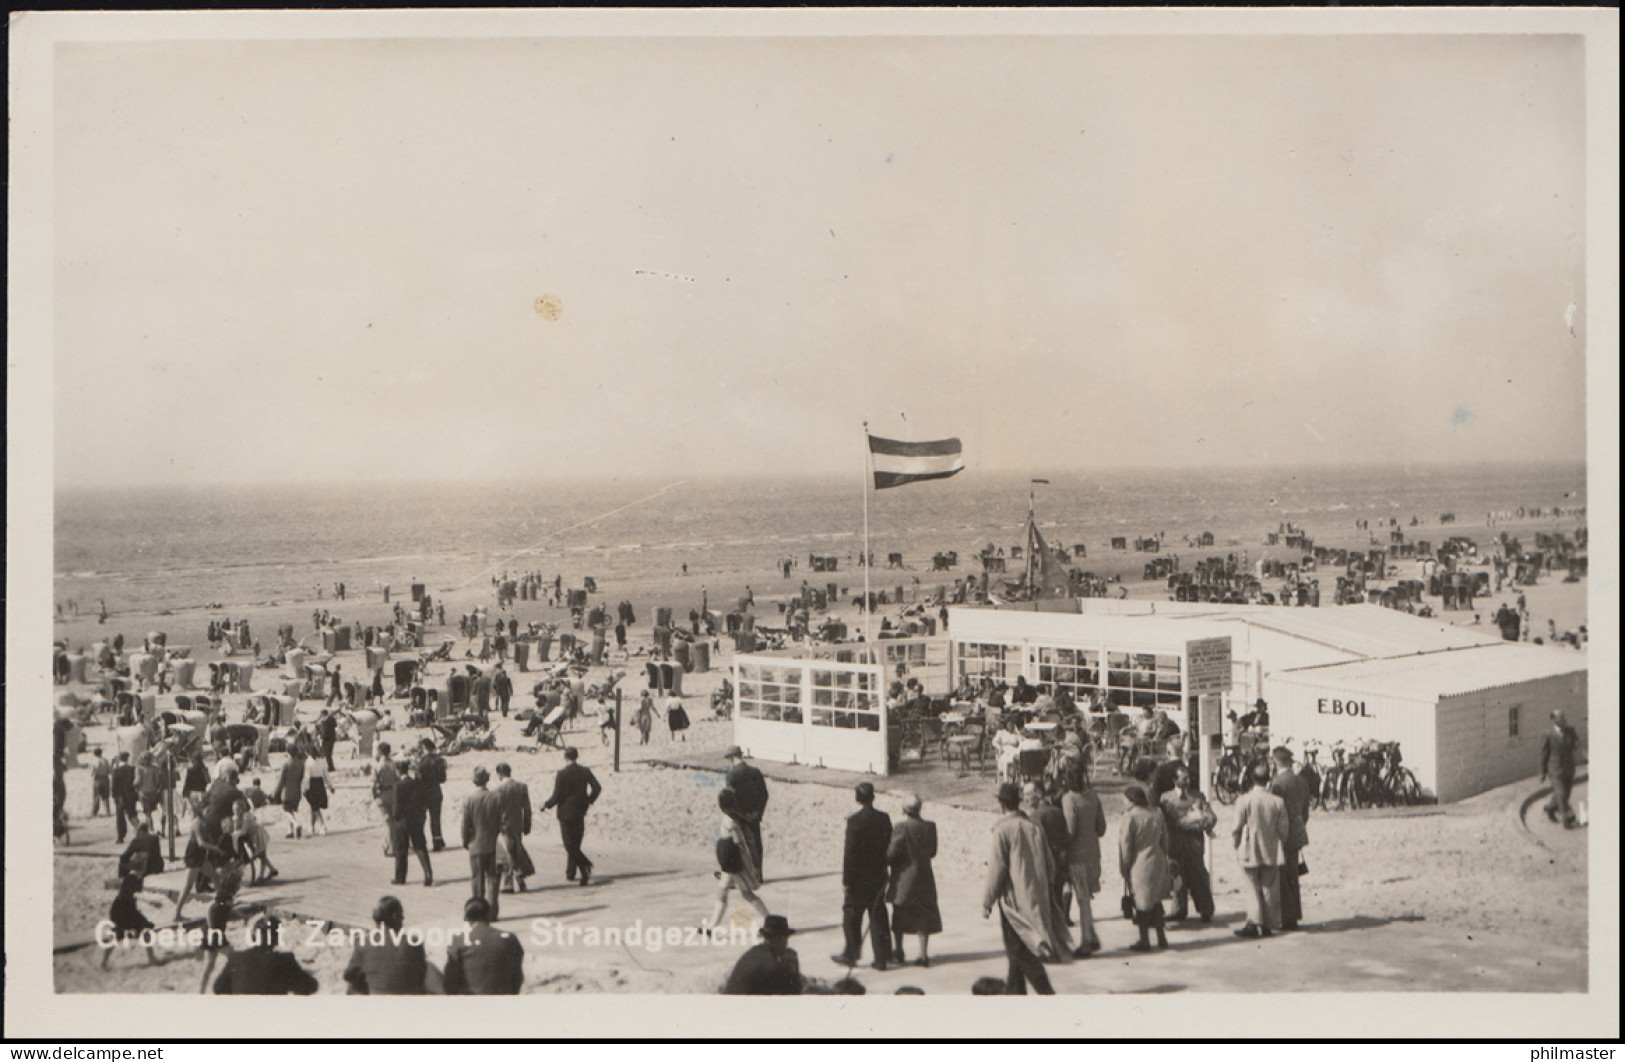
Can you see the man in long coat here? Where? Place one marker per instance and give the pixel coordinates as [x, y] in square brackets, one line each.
[1290, 787]
[1262, 825]
[482, 822]
[1018, 884]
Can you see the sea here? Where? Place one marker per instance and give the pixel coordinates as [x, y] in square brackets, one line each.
[185, 547]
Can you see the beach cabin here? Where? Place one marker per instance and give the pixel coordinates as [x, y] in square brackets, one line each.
[822, 713]
[1466, 719]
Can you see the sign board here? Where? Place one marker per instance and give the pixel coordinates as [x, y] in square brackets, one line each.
[1207, 666]
[1211, 705]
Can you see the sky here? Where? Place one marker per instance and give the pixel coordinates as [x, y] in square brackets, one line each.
[320, 260]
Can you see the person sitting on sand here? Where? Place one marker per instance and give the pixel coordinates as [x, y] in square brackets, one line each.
[261, 970]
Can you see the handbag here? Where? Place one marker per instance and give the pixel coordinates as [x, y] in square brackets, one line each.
[1303, 868]
[1128, 907]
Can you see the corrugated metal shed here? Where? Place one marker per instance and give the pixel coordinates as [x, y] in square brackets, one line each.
[1429, 676]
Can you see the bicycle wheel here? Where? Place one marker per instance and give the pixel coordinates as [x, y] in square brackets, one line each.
[1221, 786]
[1407, 788]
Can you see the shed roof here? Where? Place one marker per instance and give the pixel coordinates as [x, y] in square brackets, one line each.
[1447, 673]
[1365, 630]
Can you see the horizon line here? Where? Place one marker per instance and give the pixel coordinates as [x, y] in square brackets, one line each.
[1000, 471]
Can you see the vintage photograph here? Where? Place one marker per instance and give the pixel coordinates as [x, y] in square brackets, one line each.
[678, 505]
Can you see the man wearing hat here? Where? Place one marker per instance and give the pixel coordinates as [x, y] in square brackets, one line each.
[751, 790]
[484, 961]
[771, 968]
[482, 822]
[863, 876]
[1295, 792]
[1558, 763]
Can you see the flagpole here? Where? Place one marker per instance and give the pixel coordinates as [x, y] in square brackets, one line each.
[868, 624]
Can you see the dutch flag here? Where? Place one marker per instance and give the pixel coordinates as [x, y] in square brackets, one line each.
[897, 463]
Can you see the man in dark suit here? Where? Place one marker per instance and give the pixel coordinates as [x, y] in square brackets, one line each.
[124, 801]
[1558, 762]
[261, 970]
[407, 825]
[771, 968]
[484, 961]
[502, 686]
[513, 862]
[1295, 792]
[327, 732]
[395, 967]
[574, 791]
[863, 876]
[482, 822]
[480, 689]
[432, 773]
[751, 789]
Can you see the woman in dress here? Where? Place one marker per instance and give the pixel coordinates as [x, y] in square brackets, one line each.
[316, 791]
[913, 889]
[1142, 855]
[737, 870]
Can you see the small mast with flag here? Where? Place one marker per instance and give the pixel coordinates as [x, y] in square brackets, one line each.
[897, 463]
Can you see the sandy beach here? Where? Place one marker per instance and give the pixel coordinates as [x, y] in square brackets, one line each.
[1469, 871]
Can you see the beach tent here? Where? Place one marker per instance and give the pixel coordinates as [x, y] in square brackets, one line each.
[406, 674]
[377, 658]
[458, 691]
[700, 657]
[132, 739]
[144, 666]
[295, 661]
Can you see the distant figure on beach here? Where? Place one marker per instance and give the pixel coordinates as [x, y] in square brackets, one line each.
[1558, 762]
[127, 919]
[677, 717]
[645, 718]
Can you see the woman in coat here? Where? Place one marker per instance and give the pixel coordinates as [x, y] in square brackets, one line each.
[739, 870]
[1143, 859]
[913, 889]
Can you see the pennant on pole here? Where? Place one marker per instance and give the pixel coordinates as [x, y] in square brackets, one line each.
[897, 463]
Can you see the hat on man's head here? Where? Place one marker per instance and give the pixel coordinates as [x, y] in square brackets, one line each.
[481, 776]
[1260, 703]
[865, 792]
[1010, 795]
[1282, 754]
[734, 752]
[776, 926]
